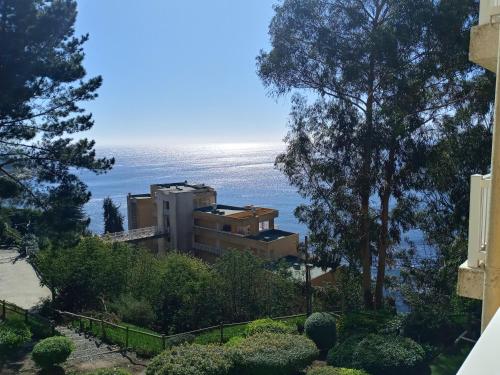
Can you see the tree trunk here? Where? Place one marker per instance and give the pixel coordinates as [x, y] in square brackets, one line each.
[385, 196]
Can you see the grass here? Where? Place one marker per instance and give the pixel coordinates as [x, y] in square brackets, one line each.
[39, 327]
[449, 363]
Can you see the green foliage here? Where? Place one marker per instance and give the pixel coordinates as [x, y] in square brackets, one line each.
[335, 371]
[113, 219]
[273, 354]
[109, 371]
[135, 311]
[248, 291]
[266, 326]
[341, 355]
[191, 360]
[388, 355]
[234, 341]
[322, 329]
[183, 338]
[52, 351]
[362, 323]
[13, 334]
[40, 112]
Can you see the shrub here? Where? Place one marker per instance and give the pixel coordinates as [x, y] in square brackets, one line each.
[388, 355]
[52, 351]
[109, 371]
[13, 334]
[341, 355]
[322, 329]
[266, 325]
[273, 354]
[184, 338]
[135, 311]
[335, 371]
[191, 359]
[362, 323]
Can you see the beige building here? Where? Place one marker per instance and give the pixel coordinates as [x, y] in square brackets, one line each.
[186, 217]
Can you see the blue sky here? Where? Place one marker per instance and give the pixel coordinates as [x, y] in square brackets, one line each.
[180, 71]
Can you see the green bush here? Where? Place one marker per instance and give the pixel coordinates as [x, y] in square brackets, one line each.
[135, 311]
[273, 354]
[13, 334]
[335, 371]
[192, 360]
[109, 371]
[362, 323]
[322, 329]
[52, 351]
[266, 325]
[341, 355]
[184, 338]
[388, 355]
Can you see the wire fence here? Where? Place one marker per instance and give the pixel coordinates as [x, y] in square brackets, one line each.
[149, 343]
[40, 326]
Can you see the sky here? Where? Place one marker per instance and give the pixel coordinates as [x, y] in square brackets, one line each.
[178, 72]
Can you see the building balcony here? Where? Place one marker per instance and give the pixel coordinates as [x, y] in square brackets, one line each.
[471, 272]
[484, 37]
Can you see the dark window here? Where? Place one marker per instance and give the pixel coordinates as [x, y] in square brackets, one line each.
[226, 228]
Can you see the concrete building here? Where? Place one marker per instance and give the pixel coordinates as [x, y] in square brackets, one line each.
[479, 276]
[187, 217]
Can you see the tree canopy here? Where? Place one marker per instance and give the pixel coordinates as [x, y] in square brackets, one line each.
[43, 85]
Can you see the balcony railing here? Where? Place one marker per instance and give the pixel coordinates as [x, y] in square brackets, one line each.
[133, 235]
[209, 249]
[488, 11]
[478, 219]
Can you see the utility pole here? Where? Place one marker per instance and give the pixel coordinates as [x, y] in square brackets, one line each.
[491, 296]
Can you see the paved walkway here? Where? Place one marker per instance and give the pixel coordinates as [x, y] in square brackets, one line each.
[19, 283]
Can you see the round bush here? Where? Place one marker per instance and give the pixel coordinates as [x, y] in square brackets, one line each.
[52, 351]
[273, 354]
[388, 355]
[322, 329]
[191, 359]
[335, 371]
[266, 325]
[109, 371]
[341, 355]
[13, 334]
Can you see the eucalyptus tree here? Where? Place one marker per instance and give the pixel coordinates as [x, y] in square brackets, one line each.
[42, 87]
[384, 72]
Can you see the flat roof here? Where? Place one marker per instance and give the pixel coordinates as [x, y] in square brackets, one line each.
[140, 196]
[234, 212]
[271, 235]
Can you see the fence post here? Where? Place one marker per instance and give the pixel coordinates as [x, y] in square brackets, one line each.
[3, 310]
[221, 333]
[126, 339]
[164, 342]
[90, 327]
[81, 326]
[102, 328]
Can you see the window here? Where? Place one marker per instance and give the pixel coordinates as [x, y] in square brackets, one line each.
[226, 228]
[264, 225]
[166, 205]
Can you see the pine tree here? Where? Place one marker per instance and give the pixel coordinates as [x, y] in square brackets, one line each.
[113, 219]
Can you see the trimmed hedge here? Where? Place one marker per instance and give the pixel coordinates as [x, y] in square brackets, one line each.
[192, 360]
[341, 355]
[335, 371]
[273, 354]
[13, 334]
[362, 323]
[52, 351]
[322, 329]
[388, 355]
[109, 371]
[266, 325]
[379, 355]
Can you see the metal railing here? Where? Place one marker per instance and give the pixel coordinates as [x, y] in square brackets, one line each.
[144, 342]
[480, 192]
[40, 325]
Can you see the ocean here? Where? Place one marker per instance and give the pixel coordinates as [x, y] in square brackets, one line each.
[242, 174]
